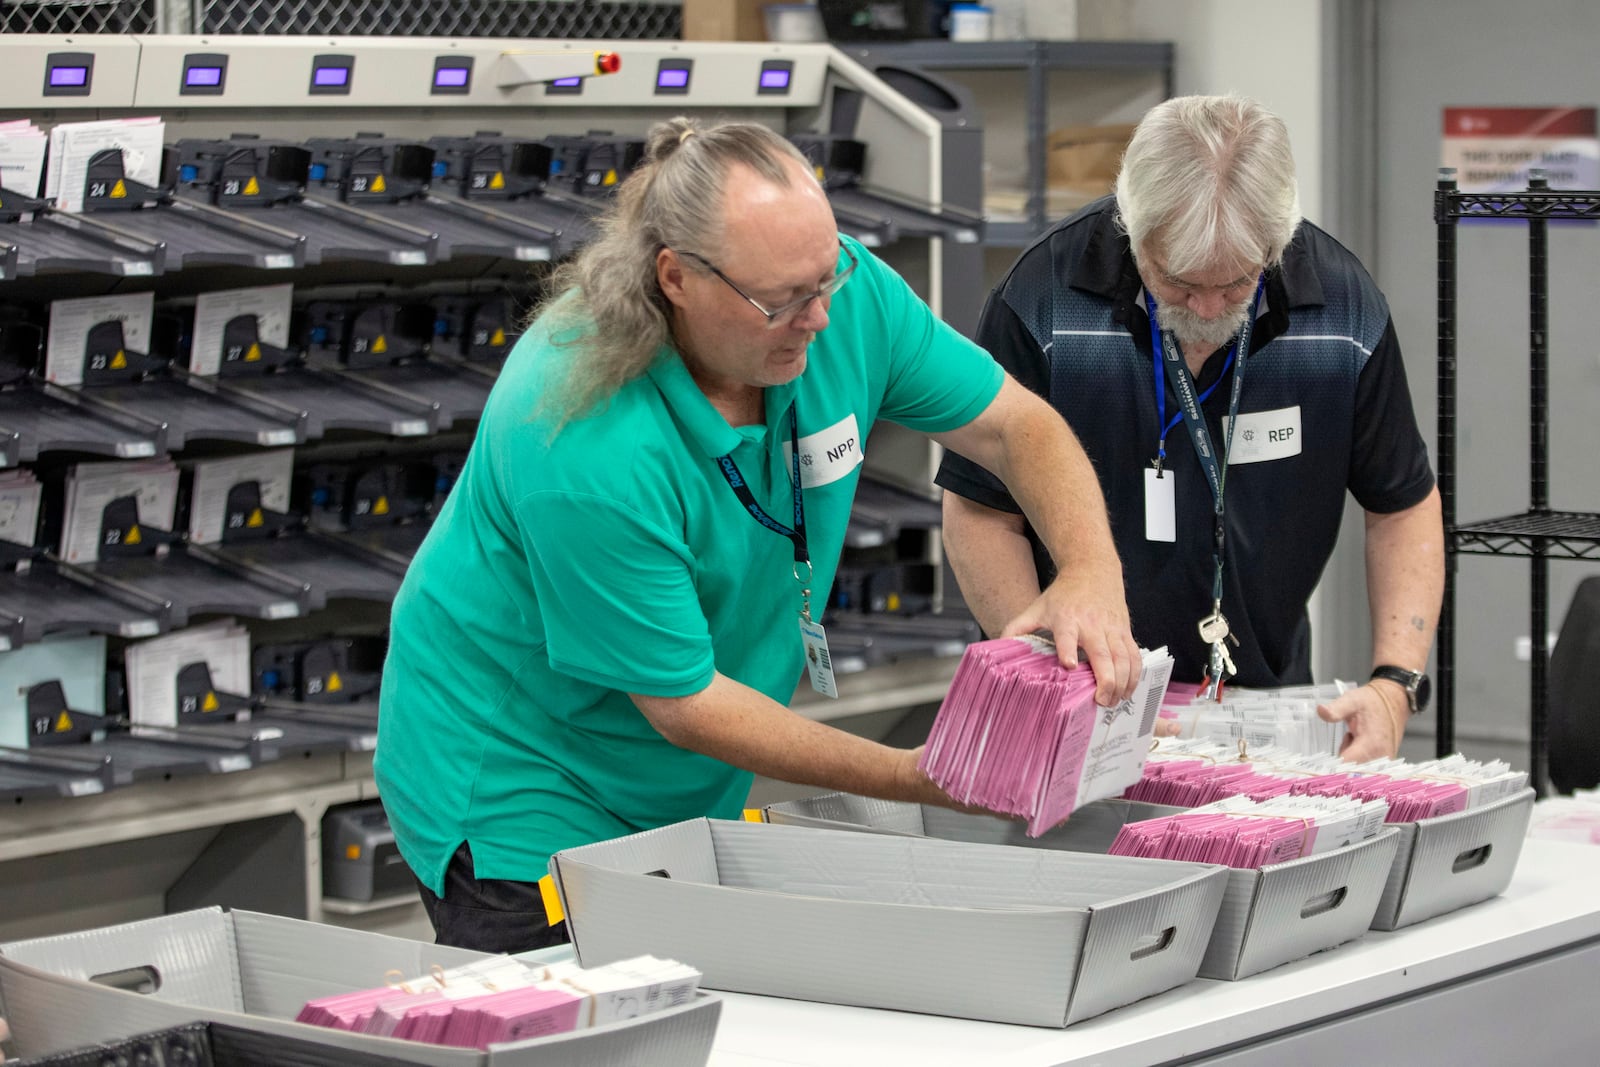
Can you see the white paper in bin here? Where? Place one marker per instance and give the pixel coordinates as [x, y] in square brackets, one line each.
[879, 921]
[256, 971]
[1269, 916]
[1454, 860]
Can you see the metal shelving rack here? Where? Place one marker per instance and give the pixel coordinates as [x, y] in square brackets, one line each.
[1538, 534]
[1036, 59]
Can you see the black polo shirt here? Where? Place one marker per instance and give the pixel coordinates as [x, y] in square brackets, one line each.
[1067, 322]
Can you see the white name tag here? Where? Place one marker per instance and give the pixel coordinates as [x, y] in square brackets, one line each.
[1160, 506]
[819, 665]
[828, 455]
[1265, 435]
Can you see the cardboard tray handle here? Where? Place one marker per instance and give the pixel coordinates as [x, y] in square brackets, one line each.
[1150, 944]
[1323, 903]
[144, 980]
[1471, 859]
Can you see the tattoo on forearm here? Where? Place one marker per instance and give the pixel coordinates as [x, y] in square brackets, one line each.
[1417, 623]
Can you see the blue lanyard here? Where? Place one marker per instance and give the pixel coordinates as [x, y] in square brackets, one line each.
[797, 536]
[1165, 350]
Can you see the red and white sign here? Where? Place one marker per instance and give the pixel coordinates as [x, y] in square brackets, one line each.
[1493, 148]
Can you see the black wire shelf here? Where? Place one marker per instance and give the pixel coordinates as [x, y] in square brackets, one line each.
[1529, 204]
[1555, 534]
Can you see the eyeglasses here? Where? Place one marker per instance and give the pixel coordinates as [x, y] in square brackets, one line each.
[827, 289]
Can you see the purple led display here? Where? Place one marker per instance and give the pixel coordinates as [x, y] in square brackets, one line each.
[568, 83]
[774, 79]
[202, 76]
[450, 77]
[331, 76]
[66, 76]
[672, 79]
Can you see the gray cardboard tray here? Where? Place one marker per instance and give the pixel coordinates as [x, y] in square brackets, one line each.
[1269, 915]
[1048, 938]
[256, 971]
[1455, 860]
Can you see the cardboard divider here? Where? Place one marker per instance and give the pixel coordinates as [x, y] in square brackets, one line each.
[255, 972]
[874, 921]
[1269, 916]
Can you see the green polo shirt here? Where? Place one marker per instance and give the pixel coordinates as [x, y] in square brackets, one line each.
[563, 574]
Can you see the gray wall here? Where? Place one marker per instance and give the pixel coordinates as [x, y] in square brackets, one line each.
[1489, 52]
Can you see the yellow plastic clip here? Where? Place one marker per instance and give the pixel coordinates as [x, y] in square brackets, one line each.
[754, 815]
[553, 912]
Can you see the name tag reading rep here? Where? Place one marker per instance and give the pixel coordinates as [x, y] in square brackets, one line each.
[1265, 435]
[828, 455]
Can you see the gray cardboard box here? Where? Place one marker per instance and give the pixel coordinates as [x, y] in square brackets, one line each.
[1269, 916]
[1454, 860]
[256, 971]
[1047, 938]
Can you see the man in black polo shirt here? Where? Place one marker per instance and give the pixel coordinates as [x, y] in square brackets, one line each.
[1132, 312]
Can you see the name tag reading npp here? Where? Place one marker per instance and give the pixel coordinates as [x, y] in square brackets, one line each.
[828, 455]
[1265, 435]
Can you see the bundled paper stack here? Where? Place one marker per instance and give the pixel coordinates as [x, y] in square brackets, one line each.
[74, 144]
[503, 999]
[22, 146]
[1575, 818]
[1240, 832]
[1194, 773]
[1021, 735]
[1284, 717]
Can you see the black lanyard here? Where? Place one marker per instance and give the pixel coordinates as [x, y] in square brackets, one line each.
[1216, 468]
[797, 535]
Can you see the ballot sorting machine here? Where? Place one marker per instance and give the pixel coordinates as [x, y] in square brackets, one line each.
[399, 201]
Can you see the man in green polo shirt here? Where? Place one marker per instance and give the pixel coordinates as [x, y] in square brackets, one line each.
[602, 628]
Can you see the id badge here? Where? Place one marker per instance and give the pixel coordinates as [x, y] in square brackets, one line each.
[819, 665]
[1160, 506]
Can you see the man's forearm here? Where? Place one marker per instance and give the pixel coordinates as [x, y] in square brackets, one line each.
[992, 560]
[741, 727]
[1405, 582]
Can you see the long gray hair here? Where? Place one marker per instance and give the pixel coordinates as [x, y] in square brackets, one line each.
[1209, 180]
[605, 308]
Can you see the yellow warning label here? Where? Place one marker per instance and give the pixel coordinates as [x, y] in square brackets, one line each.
[253, 354]
[378, 184]
[134, 537]
[610, 178]
[754, 815]
[119, 191]
[335, 683]
[498, 181]
[381, 507]
[381, 344]
[256, 520]
[252, 187]
[210, 702]
[497, 338]
[552, 900]
[119, 361]
[63, 723]
[352, 852]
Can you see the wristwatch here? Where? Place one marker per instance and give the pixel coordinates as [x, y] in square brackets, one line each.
[1416, 684]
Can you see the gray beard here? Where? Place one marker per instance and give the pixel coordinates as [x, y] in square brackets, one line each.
[1191, 329]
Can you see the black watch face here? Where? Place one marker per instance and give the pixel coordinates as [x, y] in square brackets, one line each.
[1424, 692]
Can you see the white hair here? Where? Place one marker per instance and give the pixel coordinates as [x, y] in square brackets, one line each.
[1208, 181]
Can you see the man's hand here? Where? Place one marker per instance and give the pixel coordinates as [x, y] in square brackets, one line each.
[1375, 714]
[1084, 610]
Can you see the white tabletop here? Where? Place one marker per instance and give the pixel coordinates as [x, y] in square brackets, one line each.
[1551, 902]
